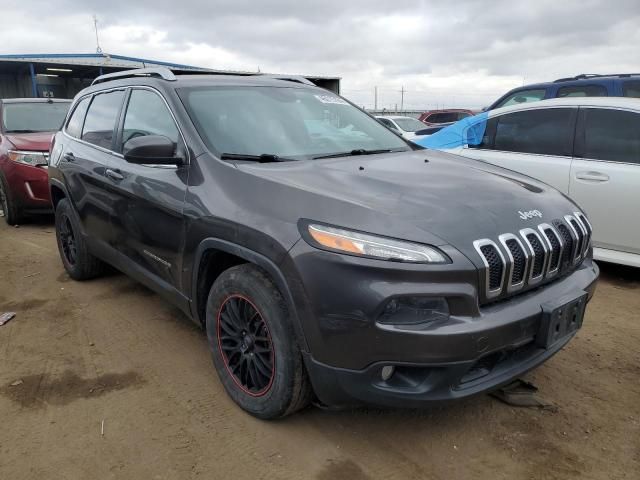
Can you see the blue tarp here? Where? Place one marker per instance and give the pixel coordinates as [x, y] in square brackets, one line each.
[468, 131]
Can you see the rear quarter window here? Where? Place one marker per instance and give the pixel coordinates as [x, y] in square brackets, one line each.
[74, 125]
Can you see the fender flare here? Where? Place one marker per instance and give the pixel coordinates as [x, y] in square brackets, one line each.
[54, 182]
[261, 261]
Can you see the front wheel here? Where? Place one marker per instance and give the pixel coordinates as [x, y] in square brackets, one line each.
[11, 211]
[253, 344]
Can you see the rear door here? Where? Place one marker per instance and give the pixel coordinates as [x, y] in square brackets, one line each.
[605, 175]
[537, 142]
[86, 158]
[147, 215]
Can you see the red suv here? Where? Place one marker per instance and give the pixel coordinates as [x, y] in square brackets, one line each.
[438, 117]
[26, 129]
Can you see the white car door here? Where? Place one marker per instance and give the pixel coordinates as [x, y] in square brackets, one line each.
[605, 177]
[537, 142]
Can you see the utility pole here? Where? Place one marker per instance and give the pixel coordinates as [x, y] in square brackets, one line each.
[402, 99]
[375, 97]
[95, 27]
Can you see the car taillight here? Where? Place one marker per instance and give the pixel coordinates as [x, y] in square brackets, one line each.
[35, 159]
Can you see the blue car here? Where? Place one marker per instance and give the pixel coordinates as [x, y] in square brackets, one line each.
[585, 85]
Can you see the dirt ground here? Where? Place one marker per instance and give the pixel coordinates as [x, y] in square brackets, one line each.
[109, 350]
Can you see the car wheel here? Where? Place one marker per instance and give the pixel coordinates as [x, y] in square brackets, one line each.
[10, 210]
[77, 261]
[253, 344]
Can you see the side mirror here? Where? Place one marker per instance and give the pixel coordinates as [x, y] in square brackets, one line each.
[151, 149]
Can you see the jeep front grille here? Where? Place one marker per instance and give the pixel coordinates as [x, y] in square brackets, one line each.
[533, 255]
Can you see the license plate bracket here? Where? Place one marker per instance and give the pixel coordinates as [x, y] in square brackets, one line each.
[560, 318]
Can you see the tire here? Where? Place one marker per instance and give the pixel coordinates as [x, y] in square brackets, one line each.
[72, 246]
[12, 213]
[253, 345]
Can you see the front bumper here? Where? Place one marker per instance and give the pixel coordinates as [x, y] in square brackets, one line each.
[478, 349]
[29, 186]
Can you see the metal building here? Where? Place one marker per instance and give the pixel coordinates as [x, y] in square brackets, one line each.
[62, 75]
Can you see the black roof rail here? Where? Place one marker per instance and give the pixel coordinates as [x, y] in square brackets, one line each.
[160, 72]
[584, 76]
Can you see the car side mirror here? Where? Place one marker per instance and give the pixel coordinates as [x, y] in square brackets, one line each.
[151, 149]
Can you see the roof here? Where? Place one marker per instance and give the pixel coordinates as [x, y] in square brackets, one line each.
[592, 76]
[450, 110]
[578, 79]
[196, 80]
[96, 59]
[34, 100]
[395, 117]
[616, 102]
[120, 61]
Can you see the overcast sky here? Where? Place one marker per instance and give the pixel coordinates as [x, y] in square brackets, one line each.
[462, 53]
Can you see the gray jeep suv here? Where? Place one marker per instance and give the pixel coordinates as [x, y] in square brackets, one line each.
[324, 256]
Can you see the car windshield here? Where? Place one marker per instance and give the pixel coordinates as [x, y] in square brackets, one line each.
[287, 122]
[409, 124]
[30, 117]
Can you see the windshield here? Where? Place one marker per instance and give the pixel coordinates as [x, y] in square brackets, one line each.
[409, 124]
[34, 116]
[292, 123]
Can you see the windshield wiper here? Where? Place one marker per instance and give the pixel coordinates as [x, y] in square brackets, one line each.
[264, 158]
[22, 131]
[357, 151]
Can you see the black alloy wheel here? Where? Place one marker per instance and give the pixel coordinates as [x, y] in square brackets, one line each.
[245, 345]
[68, 241]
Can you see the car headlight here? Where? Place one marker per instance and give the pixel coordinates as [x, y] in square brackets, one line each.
[373, 246]
[34, 159]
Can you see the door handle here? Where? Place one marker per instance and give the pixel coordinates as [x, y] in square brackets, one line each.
[592, 176]
[113, 175]
[69, 157]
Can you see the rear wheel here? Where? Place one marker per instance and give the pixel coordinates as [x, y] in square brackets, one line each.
[77, 261]
[253, 345]
[11, 211]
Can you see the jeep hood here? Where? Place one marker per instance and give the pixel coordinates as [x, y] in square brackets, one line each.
[425, 196]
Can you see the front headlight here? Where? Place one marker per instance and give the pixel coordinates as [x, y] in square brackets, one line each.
[34, 159]
[373, 246]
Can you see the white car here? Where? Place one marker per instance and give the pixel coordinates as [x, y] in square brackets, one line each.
[405, 126]
[588, 148]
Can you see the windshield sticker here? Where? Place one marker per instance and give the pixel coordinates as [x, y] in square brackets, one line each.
[331, 99]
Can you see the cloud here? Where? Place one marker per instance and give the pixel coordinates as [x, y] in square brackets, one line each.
[462, 53]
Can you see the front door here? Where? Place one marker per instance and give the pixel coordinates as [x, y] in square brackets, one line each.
[537, 142]
[147, 216]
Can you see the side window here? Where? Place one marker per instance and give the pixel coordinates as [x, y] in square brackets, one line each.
[444, 117]
[542, 131]
[462, 115]
[147, 114]
[631, 89]
[611, 135]
[101, 119]
[74, 125]
[583, 91]
[386, 123]
[523, 96]
[487, 136]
